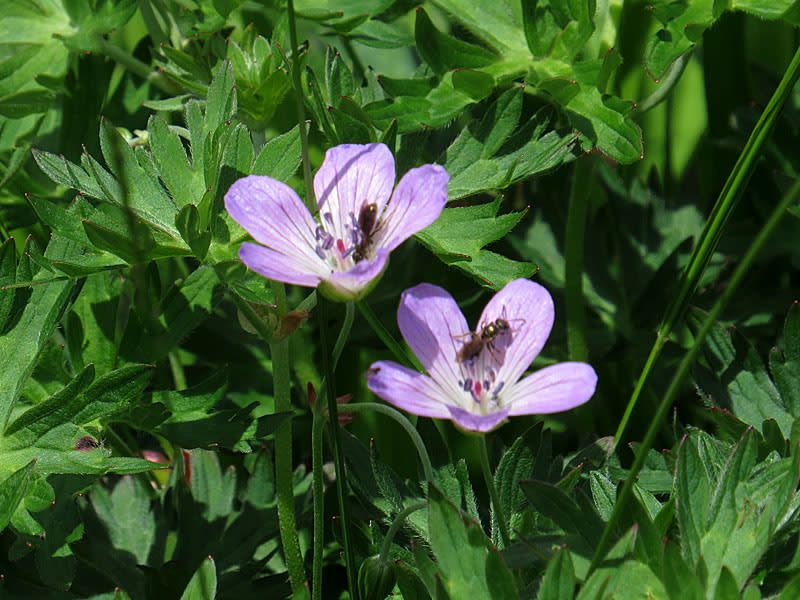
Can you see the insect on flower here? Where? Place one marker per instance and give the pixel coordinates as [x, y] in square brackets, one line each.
[361, 220]
[479, 383]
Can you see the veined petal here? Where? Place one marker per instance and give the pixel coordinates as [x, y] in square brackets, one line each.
[434, 328]
[553, 389]
[474, 422]
[416, 203]
[275, 216]
[351, 176]
[274, 265]
[358, 281]
[406, 389]
[528, 308]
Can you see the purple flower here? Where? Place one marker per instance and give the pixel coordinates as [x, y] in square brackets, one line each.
[361, 220]
[474, 377]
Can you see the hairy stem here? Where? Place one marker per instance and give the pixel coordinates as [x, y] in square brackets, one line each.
[317, 427]
[396, 525]
[390, 412]
[715, 225]
[499, 514]
[284, 478]
[301, 110]
[675, 384]
[135, 66]
[336, 444]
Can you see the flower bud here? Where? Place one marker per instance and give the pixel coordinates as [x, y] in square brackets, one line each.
[376, 578]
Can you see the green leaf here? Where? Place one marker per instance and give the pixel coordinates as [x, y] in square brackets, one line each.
[127, 516]
[463, 556]
[563, 510]
[185, 183]
[459, 235]
[30, 332]
[221, 100]
[16, 106]
[558, 582]
[203, 585]
[188, 223]
[12, 491]
[280, 157]
[444, 52]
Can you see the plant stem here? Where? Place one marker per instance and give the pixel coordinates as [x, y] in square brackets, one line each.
[666, 86]
[391, 344]
[317, 427]
[677, 379]
[284, 477]
[301, 111]
[135, 66]
[396, 525]
[178, 374]
[573, 256]
[390, 412]
[707, 243]
[344, 332]
[499, 515]
[336, 443]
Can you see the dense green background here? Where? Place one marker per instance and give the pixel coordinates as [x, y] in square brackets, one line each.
[587, 142]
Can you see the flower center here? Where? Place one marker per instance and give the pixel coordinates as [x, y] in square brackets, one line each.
[354, 245]
[480, 361]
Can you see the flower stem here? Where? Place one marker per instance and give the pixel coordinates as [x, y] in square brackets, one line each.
[582, 178]
[391, 344]
[317, 430]
[301, 111]
[338, 454]
[135, 66]
[685, 364]
[284, 478]
[390, 412]
[499, 515]
[401, 517]
[317, 427]
[709, 238]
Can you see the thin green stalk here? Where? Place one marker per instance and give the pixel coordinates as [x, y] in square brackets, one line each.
[573, 256]
[344, 332]
[677, 379]
[707, 243]
[499, 514]
[284, 476]
[390, 412]
[338, 453]
[301, 110]
[391, 344]
[663, 90]
[317, 427]
[396, 525]
[134, 65]
[178, 374]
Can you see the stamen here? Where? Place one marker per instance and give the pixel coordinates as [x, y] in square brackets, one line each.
[320, 252]
[498, 388]
[328, 217]
[477, 388]
[320, 233]
[327, 243]
[467, 385]
[340, 246]
[486, 384]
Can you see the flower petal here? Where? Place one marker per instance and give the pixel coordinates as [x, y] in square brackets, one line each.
[406, 389]
[275, 216]
[528, 308]
[416, 203]
[350, 176]
[553, 389]
[434, 328]
[358, 281]
[473, 422]
[274, 265]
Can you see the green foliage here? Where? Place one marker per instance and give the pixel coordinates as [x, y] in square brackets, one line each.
[138, 407]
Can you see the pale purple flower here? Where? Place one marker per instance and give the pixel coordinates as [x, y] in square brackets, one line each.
[340, 252]
[481, 391]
